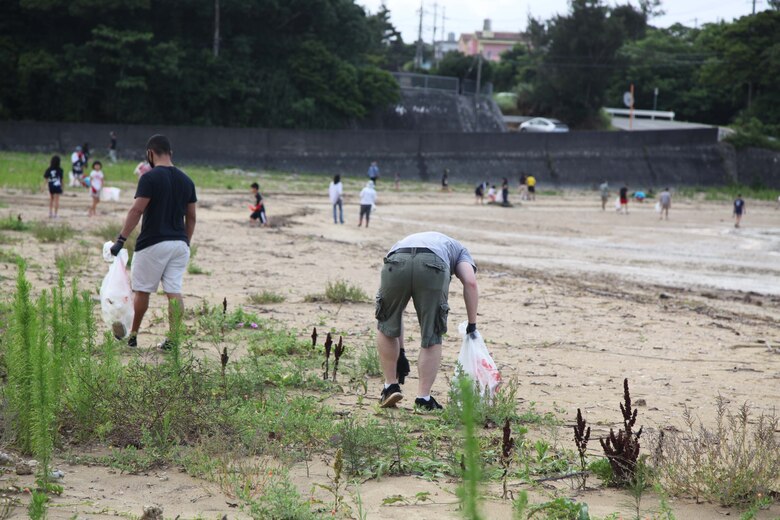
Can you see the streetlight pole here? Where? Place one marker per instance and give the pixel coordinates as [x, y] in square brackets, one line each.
[655, 100]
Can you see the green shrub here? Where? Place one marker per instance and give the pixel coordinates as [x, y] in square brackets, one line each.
[731, 464]
[52, 232]
[341, 291]
[72, 259]
[368, 362]
[266, 297]
[12, 223]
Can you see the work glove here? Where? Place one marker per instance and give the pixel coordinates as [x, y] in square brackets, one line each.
[402, 367]
[471, 330]
[118, 245]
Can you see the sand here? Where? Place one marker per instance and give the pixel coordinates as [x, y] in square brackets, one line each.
[572, 300]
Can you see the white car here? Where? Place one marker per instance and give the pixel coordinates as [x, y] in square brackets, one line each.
[543, 124]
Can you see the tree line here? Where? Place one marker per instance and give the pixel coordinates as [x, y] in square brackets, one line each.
[326, 63]
[285, 64]
[724, 73]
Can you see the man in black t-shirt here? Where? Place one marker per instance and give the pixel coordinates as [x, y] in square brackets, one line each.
[166, 199]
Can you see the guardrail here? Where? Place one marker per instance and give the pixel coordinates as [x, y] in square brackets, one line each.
[652, 114]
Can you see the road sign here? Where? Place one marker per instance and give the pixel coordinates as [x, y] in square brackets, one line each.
[628, 99]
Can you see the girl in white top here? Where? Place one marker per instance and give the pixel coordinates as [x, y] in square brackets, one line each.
[95, 185]
[367, 201]
[336, 192]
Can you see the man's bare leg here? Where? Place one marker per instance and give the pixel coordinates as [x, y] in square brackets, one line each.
[389, 349]
[140, 305]
[428, 364]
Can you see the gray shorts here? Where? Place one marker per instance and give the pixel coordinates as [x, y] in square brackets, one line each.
[162, 262]
[425, 279]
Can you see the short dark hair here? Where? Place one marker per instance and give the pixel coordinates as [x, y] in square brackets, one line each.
[159, 144]
[336, 179]
[255, 186]
[96, 163]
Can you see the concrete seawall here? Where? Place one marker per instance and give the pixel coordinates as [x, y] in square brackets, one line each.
[641, 159]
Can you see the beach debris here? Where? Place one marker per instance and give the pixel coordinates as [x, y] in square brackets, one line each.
[57, 474]
[26, 467]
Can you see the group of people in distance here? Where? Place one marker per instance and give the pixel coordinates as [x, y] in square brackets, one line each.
[527, 190]
[55, 178]
[367, 196]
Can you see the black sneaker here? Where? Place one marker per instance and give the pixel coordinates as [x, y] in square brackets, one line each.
[430, 404]
[390, 396]
[132, 341]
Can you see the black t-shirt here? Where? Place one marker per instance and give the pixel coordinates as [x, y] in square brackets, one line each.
[739, 206]
[258, 199]
[169, 191]
[623, 193]
[54, 177]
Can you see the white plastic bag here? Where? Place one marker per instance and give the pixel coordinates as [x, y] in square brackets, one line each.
[476, 362]
[116, 296]
[110, 194]
[658, 207]
[618, 205]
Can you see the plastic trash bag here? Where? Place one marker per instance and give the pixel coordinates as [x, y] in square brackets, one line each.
[618, 205]
[116, 296]
[476, 362]
[658, 207]
[110, 194]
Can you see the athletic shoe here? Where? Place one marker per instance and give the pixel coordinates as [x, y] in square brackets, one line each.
[132, 341]
[390, 396]
[430, 404]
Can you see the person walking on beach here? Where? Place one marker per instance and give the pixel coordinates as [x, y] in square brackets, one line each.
[336, 194]
[53, 176]
[112, 147]
[95, 185]
[505, 192]
[419, 267]
[373, 172]
[479, 193]
[523, 187]
[531, 182]
[445, 180]
[665, 201]
[77, 163]
[739, 210]
[604, 189]
[166, 199]
[624, 200]
[367, 201]
[258, 209]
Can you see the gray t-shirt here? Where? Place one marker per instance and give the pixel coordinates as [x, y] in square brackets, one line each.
[446, 248]
[665, 198]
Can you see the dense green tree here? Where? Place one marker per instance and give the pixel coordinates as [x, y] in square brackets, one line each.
[576, 68]
[296, 63]
[457, 65]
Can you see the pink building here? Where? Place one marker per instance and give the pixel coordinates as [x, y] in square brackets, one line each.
[488, 43]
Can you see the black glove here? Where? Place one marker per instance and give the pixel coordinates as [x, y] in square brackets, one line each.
[471, 329]
[402, 367]
[118, 245]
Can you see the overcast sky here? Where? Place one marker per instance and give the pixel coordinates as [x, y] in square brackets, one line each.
[511, 15]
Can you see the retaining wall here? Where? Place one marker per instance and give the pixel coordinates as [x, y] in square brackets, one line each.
[640, 159]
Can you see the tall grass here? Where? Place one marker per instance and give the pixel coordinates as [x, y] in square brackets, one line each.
[469, 491]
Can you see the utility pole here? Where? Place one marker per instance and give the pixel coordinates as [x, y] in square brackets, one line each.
[754, 6]
[479, 74]
[418, 56]
[435, 16]
[216, 28]
[443, 18]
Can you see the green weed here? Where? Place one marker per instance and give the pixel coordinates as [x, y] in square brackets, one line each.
[12, 223]
[342, 291]
[70, 260]
[266, 297]
[52, 232]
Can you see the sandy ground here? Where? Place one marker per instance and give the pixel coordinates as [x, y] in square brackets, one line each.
[573, 300]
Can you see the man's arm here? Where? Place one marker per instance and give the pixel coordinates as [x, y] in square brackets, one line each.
[465, 273]
[134, 215]
[189, 220]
